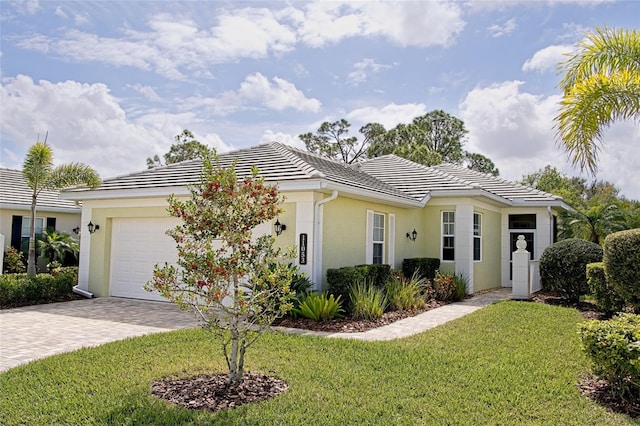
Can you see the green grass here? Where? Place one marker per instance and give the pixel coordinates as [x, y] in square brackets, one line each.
[511, 363]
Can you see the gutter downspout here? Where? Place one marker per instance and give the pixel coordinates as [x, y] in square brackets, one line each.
[82, 292]
[317, 240]
[551, 227]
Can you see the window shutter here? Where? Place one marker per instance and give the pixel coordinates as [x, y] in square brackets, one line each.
[16, 232]
[51, 224]
[391, 244]
[369, 238]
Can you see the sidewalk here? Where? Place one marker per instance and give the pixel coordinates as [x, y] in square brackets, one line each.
[413, 325]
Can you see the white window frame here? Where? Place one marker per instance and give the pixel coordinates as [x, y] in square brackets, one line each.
[378, 241]
[27, 220]
[477, 235]
[370, 241]
[450, 233]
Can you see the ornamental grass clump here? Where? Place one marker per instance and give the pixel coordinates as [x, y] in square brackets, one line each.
[233, 282]
[320, 307]
[406, 293]
[367, 301]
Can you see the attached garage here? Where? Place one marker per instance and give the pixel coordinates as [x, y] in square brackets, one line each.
[137, 244]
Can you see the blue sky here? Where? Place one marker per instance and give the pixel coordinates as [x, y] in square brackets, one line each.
[113, 82]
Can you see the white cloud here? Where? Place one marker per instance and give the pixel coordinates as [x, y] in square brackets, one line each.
[174, 46]
[146, 91]
[513, 128]
[362, 69]
[60, 12]
[277, 94]
[86, 123]
[81, 19]
[403, 23]
[508, 27]
[389, 115]
[516, 130]
[27, 7]
[285, 138]
[548, 58]
[489, 5]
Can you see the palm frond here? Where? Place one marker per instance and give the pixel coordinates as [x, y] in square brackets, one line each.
[71, 174]
[38, 165]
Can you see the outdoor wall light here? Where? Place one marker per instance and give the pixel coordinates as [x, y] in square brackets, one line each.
[279, 227]
[412, 236]
[76, 230]
[92, 228]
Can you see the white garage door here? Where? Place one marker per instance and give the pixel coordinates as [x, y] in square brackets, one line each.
[136, 246]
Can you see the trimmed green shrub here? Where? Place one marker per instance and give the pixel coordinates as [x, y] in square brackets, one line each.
[563, 267]
[320, 307]
[406, 293]
[367, 301]
[444, 286]
[426, 265]
[13, 262]
[614, 349]
[622, 264]
[19, 290]
[377, 274]
[340, 280]
[606, 298]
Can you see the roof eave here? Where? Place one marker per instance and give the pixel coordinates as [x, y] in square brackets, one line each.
[40, 208]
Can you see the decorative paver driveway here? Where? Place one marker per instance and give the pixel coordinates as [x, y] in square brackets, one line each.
[35, 332]
[38, 331]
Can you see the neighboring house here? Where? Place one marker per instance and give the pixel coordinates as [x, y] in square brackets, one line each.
[336, 214]
[52, 212]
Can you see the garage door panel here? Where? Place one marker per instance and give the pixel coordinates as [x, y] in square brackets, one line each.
[136, 246]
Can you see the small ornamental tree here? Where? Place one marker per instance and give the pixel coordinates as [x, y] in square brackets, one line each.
[236, 284]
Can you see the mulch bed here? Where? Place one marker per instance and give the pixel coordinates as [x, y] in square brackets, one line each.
[213, 393]
[350, 325]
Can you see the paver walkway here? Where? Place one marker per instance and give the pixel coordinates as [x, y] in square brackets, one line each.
[35, 332]
[413, 325]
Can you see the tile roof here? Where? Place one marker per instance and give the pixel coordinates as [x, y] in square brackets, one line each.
[501, 187]
[388, 176]
[276, 162]
[14, 193]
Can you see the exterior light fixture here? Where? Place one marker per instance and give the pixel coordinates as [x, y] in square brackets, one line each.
[76, 230]
[92, 228]
[412, 236]
[279, 227]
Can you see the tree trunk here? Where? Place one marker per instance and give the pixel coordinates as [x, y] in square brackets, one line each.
[31, 259]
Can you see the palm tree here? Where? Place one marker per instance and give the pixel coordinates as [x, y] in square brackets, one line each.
[55, 246]
[593, 223]
[601, 85]
[39, 172]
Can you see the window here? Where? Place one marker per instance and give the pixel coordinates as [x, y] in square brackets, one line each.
[24, 234]
[477, 237]
[448, 235]
[522, 221]
[378, 238]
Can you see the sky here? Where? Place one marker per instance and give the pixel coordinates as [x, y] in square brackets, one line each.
[111, 83]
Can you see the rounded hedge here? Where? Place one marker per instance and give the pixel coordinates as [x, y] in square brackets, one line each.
[622, 264]
[563, 267]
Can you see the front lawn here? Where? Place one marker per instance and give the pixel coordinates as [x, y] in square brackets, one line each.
[510, 363]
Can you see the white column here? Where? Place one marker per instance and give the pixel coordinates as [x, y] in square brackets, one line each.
[520, 281]
[464, 243]
[85, 249]
[304, 225]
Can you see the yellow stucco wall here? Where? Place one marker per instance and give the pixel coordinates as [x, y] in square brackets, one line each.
[100, 254]
[487, 274]
[65, 222]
